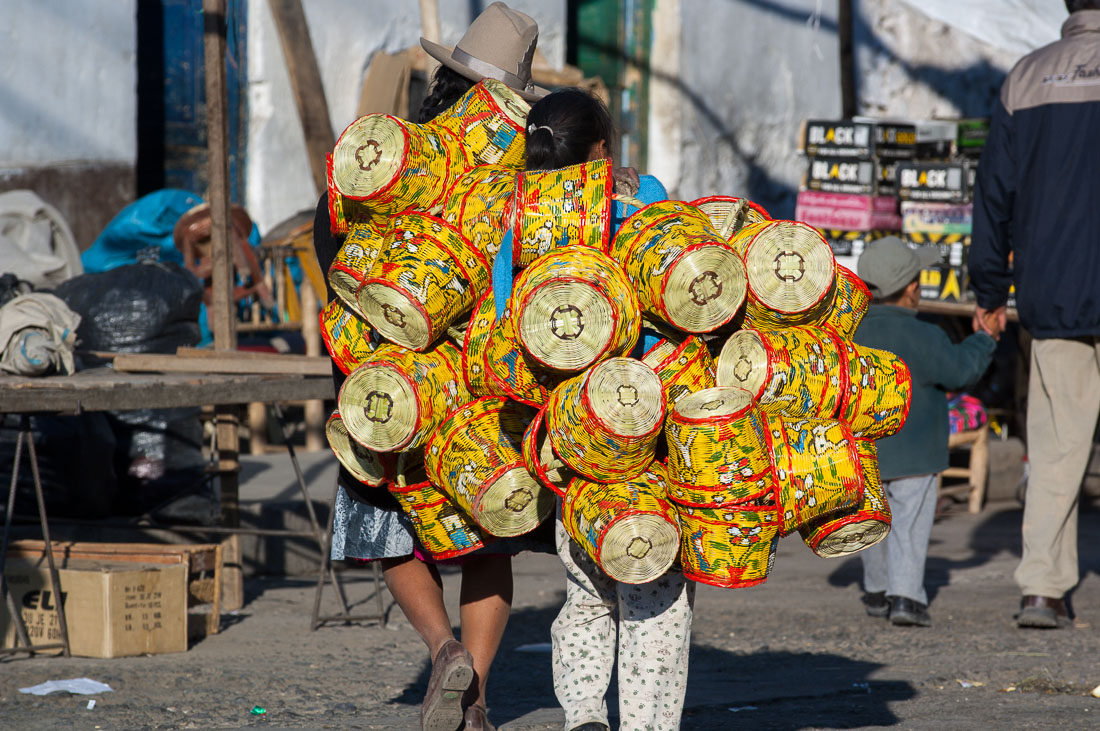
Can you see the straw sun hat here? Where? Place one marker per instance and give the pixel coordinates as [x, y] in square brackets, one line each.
[499, 44]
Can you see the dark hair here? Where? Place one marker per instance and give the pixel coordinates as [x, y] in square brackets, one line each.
[1074, 5]
[448, 86]
[563, 126]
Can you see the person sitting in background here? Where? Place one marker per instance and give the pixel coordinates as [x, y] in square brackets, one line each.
[911, 460]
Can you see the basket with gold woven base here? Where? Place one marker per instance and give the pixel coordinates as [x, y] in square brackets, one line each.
[791, 272]
[731, 547]
[879, 388]
[426, 277]
[542, 463]
[355, 258]
[440, 527]
[857, 529]
[348, 338]
[717, 452]
[628, 528]
[395, 165]
[685, 272]
[477, 206]
[605, 422]
[849, 304]
[343, 212]
[397, 397]
[489, 120]
[364, 465]
[816, 467]
[729, 214]
[474, 457]
[509, 369]
[684, 368]
[475, 339]
[796, 370]
[572, 307]
[553, 208]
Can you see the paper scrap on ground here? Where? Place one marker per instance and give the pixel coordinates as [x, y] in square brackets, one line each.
[1096, 692]
[80, 686]
[91, 704]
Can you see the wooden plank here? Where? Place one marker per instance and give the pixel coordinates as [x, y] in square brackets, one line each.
[305, 80]
[132, 391]
[271, 364]
[239, 354]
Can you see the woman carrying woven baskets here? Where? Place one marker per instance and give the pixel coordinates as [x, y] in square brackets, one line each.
[369, 523]
[646, 625]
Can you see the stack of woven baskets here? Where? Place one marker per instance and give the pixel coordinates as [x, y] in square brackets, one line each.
[478, 423]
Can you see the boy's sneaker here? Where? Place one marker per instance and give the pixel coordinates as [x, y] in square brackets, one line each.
[875, 603]
[906, 612]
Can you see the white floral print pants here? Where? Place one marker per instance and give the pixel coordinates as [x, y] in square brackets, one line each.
[651, 624]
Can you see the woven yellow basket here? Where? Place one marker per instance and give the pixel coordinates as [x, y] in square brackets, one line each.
[605, 422]
[849, 303]
[427, 276]
[343, 212]
[441, 528]
[561, 207]
[685, 272]
[683, 368]
[573, 307]
[730, 547]
[816, 466]
[541, 461]
[717, 452]
[790, 269]
[478, 204]
[396, 165]
[510, 370]
[489, 121]
[364, 465]
[482, 321]
[878, 391]
[857, 529]
[349, 339]
[474, 457]
[396, 398]
[729, 215]
[628, 528]
[355, 258]
[796, 371]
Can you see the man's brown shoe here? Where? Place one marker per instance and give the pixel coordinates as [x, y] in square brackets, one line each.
[1042, 612]
[452, 673]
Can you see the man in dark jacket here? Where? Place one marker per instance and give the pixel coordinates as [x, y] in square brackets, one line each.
[911, 460]
[1037, 224]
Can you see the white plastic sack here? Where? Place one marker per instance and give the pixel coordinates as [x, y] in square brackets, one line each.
[37, 335]
[1015, 26]
[36, 243]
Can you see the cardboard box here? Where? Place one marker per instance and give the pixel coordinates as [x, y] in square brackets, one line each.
[203, 561]
[852, 175]
[847, 201]
[937, 218]
[835, 138]
[954, 248]
[851, 243]
[825, 217]
[972, 136]
[112, 610]
[944, 283]
[886, 178]
[949, 182]
[912, 139]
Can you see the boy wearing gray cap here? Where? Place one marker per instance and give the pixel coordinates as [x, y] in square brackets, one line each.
[910, 461]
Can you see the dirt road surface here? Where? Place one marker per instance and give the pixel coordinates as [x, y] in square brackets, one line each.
[795, 653]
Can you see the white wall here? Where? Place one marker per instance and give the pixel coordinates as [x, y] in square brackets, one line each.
[345, 33]
[68, 80]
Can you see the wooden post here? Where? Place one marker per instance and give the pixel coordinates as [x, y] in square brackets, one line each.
[429, 28]
[311, 333]
[225, 333]
[305, 80]
[849, 103]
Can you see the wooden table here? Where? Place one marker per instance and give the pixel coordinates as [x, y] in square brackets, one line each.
[958, 309]
[103, 389]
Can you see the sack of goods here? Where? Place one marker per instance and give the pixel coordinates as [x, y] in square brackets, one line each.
[750, 417]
